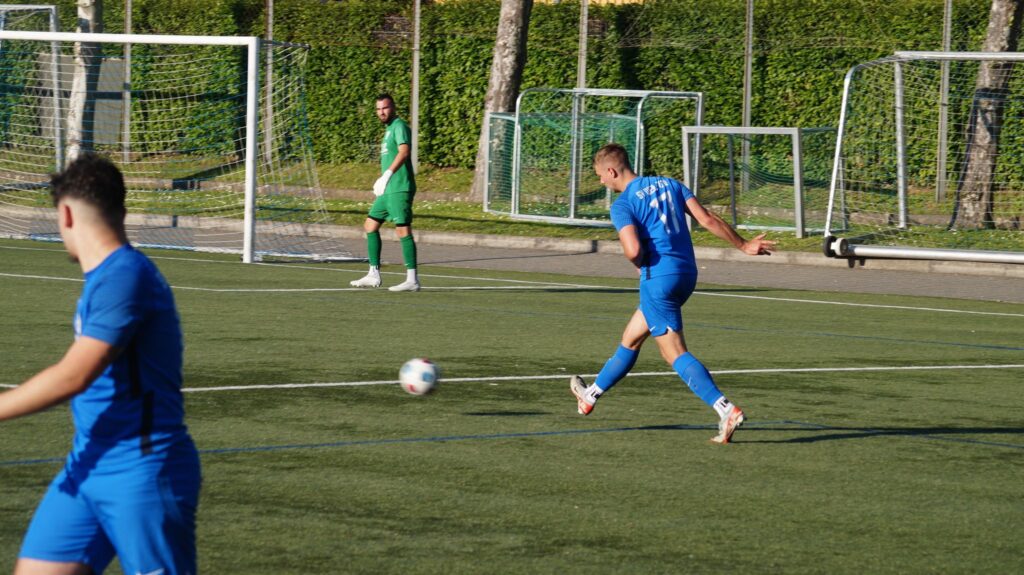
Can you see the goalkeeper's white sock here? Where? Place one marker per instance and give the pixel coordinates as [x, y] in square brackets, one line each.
[374, 271]
[410, 276]
[722, 406]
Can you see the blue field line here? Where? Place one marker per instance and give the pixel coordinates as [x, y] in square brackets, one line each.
[850, 431]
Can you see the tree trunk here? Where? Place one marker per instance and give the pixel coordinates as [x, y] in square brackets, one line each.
[506, 76]
[977, 180]
[88, 57]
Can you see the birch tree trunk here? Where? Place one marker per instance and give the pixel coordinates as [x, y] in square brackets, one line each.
[977, 182]
[82, 104]
[506, 76]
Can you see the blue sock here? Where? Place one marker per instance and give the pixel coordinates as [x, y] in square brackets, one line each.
[697, 377]
[616, 368]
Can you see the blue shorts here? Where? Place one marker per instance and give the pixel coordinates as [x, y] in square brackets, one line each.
[661, 298]
[144, 513]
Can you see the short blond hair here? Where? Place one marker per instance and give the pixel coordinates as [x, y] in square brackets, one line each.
[613, 154]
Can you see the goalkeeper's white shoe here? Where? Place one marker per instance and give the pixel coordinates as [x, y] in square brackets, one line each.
[369, 280]
[579, 389]
[406, 286]
[728, 425]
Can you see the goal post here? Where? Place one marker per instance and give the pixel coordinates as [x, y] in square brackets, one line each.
[539, 158]
[761, 178]
[927, 159]
[195, 172]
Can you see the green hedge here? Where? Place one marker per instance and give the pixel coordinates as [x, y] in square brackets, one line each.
[803, 48]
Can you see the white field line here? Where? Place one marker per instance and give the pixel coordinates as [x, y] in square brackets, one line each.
[852, 304]
[534, 285]
[591, 375]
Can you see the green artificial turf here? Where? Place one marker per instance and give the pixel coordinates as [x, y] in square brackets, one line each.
[890, 471]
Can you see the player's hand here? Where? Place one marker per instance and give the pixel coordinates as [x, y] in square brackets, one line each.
[382, 183]
[758, 246]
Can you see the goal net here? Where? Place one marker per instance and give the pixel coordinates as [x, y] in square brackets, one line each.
[762, 178]
[927, 162]
[210, 133]
[540, 158]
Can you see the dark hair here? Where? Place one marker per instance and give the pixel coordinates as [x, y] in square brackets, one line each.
[385, 96]
[95, 180]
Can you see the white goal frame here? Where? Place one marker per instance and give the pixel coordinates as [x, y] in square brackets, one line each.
[691, 164]
[835, 245]
[252, 46]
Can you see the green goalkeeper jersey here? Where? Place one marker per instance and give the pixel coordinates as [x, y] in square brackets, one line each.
[396, 134]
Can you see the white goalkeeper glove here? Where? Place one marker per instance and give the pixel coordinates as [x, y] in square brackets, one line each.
[382, 183]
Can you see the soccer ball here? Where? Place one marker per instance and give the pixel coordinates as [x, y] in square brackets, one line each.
[418, 376]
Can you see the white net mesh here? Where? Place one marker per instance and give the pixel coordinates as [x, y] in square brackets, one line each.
[550, 174]
[907, 176]
[750, 179]
[173, 118]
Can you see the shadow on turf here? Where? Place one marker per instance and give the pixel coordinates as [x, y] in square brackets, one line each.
[844, 433]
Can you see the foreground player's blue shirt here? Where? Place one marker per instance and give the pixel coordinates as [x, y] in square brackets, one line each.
[657, 207]
[135, 406]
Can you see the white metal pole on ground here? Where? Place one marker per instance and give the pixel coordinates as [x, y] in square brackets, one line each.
[58, 114]
[901, 150]
[575, 151]
[837, 164]
[798, 184]
[251, 135]
[688, 178]
[940, 171]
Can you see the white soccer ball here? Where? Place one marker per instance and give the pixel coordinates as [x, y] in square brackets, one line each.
[418, 376]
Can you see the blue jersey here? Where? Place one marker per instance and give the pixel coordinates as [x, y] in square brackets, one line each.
[657, 207]
[135, 407]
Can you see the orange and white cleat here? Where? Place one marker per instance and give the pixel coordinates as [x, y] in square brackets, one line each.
[728, 425]
[579, 389]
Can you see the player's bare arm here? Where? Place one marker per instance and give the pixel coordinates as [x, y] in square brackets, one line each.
[757, 246]
[631, 247]
[84, 361]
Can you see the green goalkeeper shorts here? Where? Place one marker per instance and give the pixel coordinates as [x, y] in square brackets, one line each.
[395, 207]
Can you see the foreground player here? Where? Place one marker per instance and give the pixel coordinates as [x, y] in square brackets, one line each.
[649, 216]
[130, 485]
[395, 190]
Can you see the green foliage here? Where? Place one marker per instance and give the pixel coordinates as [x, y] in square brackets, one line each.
[803, 48]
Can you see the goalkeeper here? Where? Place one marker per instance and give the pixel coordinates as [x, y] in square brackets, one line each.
[394, 190]
[649, 216]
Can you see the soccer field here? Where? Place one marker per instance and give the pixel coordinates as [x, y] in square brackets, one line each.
[884, 433]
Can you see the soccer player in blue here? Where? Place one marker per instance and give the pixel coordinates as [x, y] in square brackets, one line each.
[130, 485]
[649, 215]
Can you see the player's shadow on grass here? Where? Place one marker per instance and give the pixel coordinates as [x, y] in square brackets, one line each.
[846, 433]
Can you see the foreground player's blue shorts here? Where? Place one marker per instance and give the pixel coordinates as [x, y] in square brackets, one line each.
[661, 298]
[142, 511]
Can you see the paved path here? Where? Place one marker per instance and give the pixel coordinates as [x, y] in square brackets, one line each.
[744, 273]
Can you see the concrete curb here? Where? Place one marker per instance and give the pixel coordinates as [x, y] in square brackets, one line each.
[563, 245]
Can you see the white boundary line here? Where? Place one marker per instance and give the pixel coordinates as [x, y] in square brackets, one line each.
[538, 285]
[591, 375]
[638, 374]
[853, 304]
